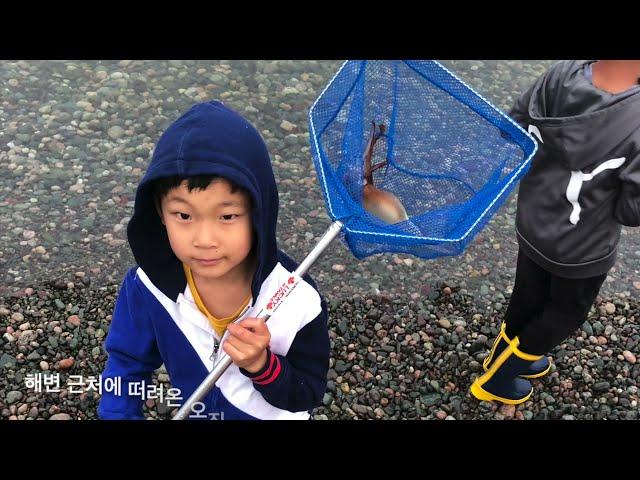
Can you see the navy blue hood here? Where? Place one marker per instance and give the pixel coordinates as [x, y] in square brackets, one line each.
[209, 139]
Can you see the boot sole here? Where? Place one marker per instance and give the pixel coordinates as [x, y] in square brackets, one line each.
[481, 394]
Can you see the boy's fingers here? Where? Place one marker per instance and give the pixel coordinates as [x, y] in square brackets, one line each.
[234, 342]
[241, 353]
[242, 333]
[257, 324]
[235, 354]
[245, 341]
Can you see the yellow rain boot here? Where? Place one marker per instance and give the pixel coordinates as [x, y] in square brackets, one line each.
[502, 380]
[537, 368]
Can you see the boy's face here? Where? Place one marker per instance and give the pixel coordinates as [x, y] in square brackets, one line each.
[209, 230]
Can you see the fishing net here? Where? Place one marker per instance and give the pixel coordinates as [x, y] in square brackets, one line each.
[410, 159]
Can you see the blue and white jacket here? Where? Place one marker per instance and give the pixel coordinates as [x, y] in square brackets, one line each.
[156, 319]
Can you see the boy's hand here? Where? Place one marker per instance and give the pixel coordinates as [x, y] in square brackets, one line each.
[247, 343]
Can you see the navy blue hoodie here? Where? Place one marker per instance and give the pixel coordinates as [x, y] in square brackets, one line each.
[156, 319]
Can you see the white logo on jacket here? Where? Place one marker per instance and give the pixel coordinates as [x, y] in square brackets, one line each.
[578, 178]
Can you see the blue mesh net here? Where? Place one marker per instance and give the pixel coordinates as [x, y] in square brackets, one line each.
[448, 156]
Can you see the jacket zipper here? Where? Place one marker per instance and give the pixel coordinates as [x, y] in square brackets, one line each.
[216, 342]
[214, 353]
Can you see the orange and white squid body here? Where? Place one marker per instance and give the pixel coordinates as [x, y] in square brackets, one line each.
[384, 205]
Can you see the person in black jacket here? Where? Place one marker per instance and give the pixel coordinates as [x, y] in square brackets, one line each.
[583, 184]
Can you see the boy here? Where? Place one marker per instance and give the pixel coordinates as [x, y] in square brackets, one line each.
[203, 235]
[583, 184]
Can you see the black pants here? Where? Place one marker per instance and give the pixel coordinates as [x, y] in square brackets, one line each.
[545, 309]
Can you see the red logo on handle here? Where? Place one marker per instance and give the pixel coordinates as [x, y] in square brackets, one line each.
[281, 293]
